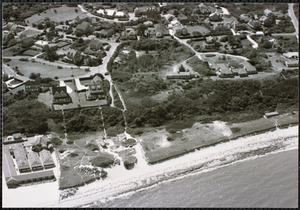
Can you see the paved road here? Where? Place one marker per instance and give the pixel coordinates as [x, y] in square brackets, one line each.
[294, 20]
[12, 73]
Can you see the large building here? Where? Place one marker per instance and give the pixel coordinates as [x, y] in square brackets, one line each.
[95, 88]
[60, 95]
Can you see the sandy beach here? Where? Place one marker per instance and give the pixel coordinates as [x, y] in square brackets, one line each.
[121, 182]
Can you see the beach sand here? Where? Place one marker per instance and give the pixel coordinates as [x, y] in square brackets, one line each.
[122, 182]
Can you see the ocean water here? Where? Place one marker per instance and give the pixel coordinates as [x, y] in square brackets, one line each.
[270, 180]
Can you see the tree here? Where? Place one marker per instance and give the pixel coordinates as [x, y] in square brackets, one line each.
[181, 68]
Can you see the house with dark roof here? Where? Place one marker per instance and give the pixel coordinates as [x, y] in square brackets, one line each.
[95, 44]
[95, 88]
[32, 87]
[46, 159]
[84, 27]
[60, 95]
[215, 17]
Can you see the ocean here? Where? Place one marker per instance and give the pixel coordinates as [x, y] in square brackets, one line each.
[267, 181]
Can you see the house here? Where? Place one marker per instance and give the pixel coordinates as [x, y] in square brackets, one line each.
[267, 12]
[15, 181]
[95, 44]
[34, 161]
[46, 159]
[32, 87]
[291, 55]
[239, 72]
[291, 63]
[215, 17]
[148, 23]
[159, 35]
[181, 75]
[270, 114]
[106, 33]
[60, 95]
[120, 14]
[41, 43]
[84, 28]
[209, 40]
[132, 35]
[254, 24]
[224, 70]
[245, 18]
[263, 18]
[95, 88]
[249, 68]
[110, 13]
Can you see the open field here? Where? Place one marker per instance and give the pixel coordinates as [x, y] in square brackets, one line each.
[201, 29]
[29, 67]
[62, 13]
[158, 148]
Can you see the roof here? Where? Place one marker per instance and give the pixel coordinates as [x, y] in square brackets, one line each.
[291, 54]
[83, 26]
[59, 92]
[7, 163]
[224, 68]
[34, 159]
[182, 17]
[46, 157]
[248, 66]
[34, 175]
[21, 159]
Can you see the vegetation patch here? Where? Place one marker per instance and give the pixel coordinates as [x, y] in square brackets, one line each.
[103, 160]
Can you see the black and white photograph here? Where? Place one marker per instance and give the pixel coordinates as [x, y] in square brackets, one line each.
[161, 104]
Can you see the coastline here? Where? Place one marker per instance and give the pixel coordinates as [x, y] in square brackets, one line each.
[247, 128]
[147, 175]
[115, 186]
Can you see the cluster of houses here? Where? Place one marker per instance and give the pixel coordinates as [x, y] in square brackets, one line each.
[290, 60]
[21, 165]
[91, 86]
[224, 70]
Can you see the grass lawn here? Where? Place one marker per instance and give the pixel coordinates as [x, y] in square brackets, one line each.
[63, 13]
[29, 67]
[157, 148]
[46, 98]
[201, 29]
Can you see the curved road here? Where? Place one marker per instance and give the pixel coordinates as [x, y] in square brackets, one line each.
[294, 20]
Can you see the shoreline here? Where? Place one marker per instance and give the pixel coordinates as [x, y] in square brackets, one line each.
[116, 186]
[259, 126]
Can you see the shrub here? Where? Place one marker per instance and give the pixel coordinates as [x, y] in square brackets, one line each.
[56, 141]
[59, 67]
[103, 160]
[129, 143]
[235, 129]
[23, 59]
[92, 146]
[73, 154]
